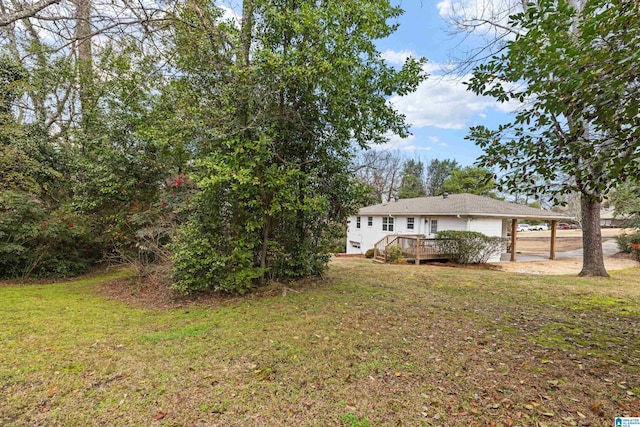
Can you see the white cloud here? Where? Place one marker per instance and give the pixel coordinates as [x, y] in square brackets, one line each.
[434, 139]
[396, 58]
[443, 101]
[445, 8]
[395, 143]
[229, 14]
[468, 9]
[432, 68]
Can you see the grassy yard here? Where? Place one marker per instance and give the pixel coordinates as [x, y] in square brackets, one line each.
[369, 345]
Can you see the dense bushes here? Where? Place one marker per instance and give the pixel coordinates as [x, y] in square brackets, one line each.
[629, 243]
[37, 241]
[206, 260]
[263, 230]
[264, 126]
[394, 254]
[469, 247]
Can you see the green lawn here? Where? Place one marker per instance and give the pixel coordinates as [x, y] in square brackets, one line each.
[368, 345]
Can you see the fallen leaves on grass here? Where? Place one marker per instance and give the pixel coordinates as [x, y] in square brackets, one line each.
[159, 415]
[433, 347]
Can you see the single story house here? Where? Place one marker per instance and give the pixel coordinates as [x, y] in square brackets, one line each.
[609, 219]
[426, 216]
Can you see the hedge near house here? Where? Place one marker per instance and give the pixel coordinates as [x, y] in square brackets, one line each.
[469, 247]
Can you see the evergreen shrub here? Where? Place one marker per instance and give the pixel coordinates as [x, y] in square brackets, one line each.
[469, 247]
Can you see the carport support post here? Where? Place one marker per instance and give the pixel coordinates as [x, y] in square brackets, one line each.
[514, 229]
[552, 250]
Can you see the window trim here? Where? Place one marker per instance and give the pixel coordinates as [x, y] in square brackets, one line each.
[433, 226]
[369, 221]
[387, 223]
[357, 222]
[411, 221]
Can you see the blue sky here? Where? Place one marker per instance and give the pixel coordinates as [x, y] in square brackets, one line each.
[441, 110]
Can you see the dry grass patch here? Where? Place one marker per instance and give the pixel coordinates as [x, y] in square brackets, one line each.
[369, 345]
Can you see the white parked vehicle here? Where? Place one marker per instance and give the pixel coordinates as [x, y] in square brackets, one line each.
[539, 227]
[523, 227]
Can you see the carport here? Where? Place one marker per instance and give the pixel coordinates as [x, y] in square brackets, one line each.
[554, 228]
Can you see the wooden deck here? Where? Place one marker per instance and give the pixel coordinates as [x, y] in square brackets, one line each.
[415, 248]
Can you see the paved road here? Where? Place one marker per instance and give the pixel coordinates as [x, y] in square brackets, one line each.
[609, 248]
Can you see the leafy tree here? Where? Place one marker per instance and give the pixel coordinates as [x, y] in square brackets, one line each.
[470, 179]
[120, 167]
[88, 146]
[572, 67]
[100, 173]
[412, 180]
[277, 105]
[626, 202]
[12, 77]
[42, 240]
[57, 42]
[436, 174]
[260, 119]
[39, 234]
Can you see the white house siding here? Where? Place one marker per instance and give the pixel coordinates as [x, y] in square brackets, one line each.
[401, 225]
[493, 227]
[450, 223]
[487, 226]
[365, 236]
[359, 240]
[506, 228]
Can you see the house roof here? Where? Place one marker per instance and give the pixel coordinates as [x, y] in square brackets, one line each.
[610, 213]
[461, 204]
[607, 213]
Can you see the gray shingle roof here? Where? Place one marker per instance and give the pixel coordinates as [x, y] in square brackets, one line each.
[460, 204]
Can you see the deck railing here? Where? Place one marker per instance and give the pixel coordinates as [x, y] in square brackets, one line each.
[380, 249]
[413, 247]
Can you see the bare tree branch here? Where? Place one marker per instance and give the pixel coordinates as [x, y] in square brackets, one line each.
[27, 12]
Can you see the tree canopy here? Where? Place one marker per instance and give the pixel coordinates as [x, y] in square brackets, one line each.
[570, 68]
[470, 179]
[626, 203]
[436, 174]
[168, 131]
[412, 184]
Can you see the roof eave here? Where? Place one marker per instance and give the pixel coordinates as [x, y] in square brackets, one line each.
[473, 214]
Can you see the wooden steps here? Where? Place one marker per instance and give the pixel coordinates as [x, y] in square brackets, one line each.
[415, 248]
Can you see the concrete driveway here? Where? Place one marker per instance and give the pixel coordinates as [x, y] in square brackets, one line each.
[569, 262]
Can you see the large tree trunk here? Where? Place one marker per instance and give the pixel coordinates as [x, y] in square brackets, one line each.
[264, 249]
[38, 93]
[84, 60]
[592, 259]
[243, 59]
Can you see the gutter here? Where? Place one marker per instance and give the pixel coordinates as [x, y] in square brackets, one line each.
[475, 214]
